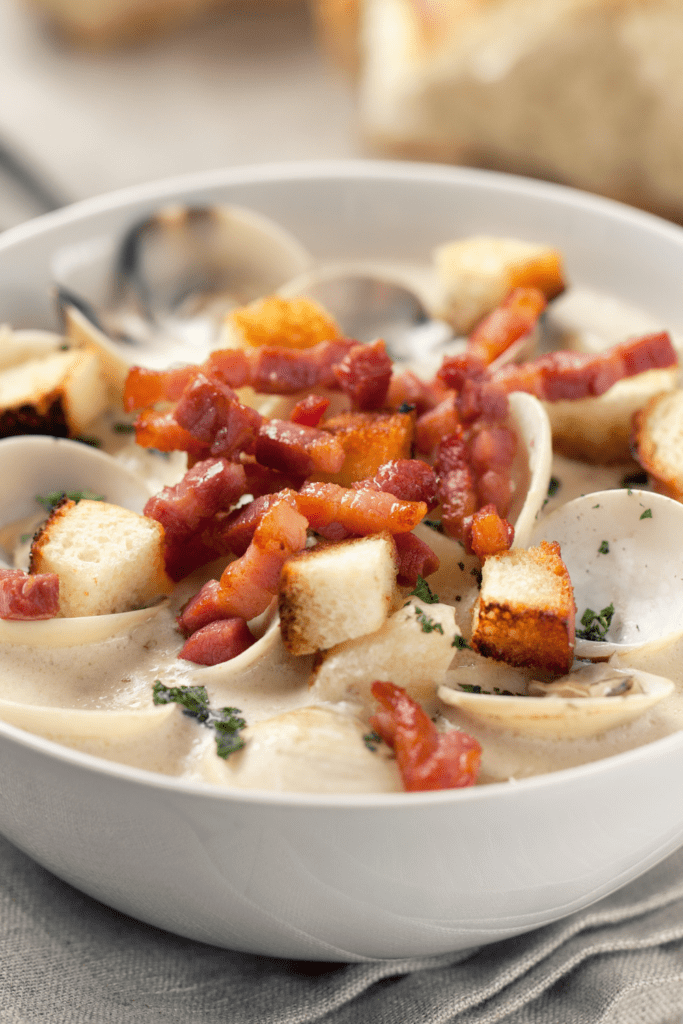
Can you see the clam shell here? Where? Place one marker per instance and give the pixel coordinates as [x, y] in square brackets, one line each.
[558, 717]
[67, 725]
[160, 292]
[72, 632]
[532, 465]
[621, 548]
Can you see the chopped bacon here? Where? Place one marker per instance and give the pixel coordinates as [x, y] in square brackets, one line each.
[360, 512]
[211, 412]
[282, 371]
[364, 375]
[294, 448]
[415, 558]
[488, 534]
[482, 398]
[145, 387]
[456, 487]
[426, 758]
[566, 375]
[209, 487]
[408, 479]
[27, 597]
[249, 584]
[491, 448]
[436, 424]
[310, 410]
[516, 316]
[217, 642]
[406, 388]
[160, 430]
[265, 480]
[241, 524]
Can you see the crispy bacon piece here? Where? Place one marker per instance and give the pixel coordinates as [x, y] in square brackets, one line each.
[415, 558]
[359, 511]
[426, 759]
[436, 424]
[160, 430]
[565, 375]
[516, 316]
[294, 448]
[364, 375]
[488, 534]
[482, 398]
[217, 642]
[145, 387]
[249, 584]
[266, 480]
[240, 525]
[310, 410]
[209, 487]
[407, 388]
[456, 488]
[27, 597]
[408, 479]
[211, 412]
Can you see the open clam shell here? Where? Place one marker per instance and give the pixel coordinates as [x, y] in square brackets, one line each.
[160, 292]
[67, 725]
[532, 465]
[567, 710]
[622, 552]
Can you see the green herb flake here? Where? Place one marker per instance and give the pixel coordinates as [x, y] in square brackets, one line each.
[604, 548]
[469, 688]
[461, 643]
[428, 625]
[49, 501]
[434, 524]
[372, 740]
[647, 514]
[637, 479]
[123, 428]
[406, 407]
[424, 592]
[194, 700]
[595, 624]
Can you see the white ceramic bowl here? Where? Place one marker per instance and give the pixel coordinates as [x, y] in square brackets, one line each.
[352, 877]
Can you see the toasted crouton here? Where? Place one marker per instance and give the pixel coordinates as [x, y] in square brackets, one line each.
[288, 323]
[658, 442]
[369, 439]
[59, 393]
[525, 614]
[335, 592]
[413, 649]
[599, 429]
[108, 559]
[477, 273]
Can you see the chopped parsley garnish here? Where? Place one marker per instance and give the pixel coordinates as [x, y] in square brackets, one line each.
[604, 548]
[48, 501]
[461, 643]
[123, 428]
[406, 407]
[434, 524]
[495, 692]
[424, 592]
[372, 740]
[477, 575]
[595, 624]
[428, 625]
[554, 485]
[92, 442]
[647, 514]
[226, 722]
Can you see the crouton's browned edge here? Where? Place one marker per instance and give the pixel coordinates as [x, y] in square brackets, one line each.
[44, 534]
[666, 476]
[48, 416]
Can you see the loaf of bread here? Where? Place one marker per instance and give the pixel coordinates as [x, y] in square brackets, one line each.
[586, 92]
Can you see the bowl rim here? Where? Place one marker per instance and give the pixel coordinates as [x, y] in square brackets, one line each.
[358, 169]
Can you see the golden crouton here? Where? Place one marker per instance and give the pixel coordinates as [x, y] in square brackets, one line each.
[338, 591]
[288, 323]
[525, 614]
[476, 274]
[369, 439]
[658, 442]
[108, 558]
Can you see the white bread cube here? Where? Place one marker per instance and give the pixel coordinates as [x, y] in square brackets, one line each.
[525, 614]
[61, 392]
[336, 592]
[475, 275]
[108, 558]
[658, 442]
[413, 649]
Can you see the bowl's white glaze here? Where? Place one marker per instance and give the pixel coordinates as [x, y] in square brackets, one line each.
[350, 878]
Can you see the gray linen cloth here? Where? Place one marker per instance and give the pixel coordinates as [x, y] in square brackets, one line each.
[66, 959]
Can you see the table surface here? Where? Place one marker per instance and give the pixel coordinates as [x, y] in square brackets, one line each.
[249, 87]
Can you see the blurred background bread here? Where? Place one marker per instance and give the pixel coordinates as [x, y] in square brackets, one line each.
[586, 92]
